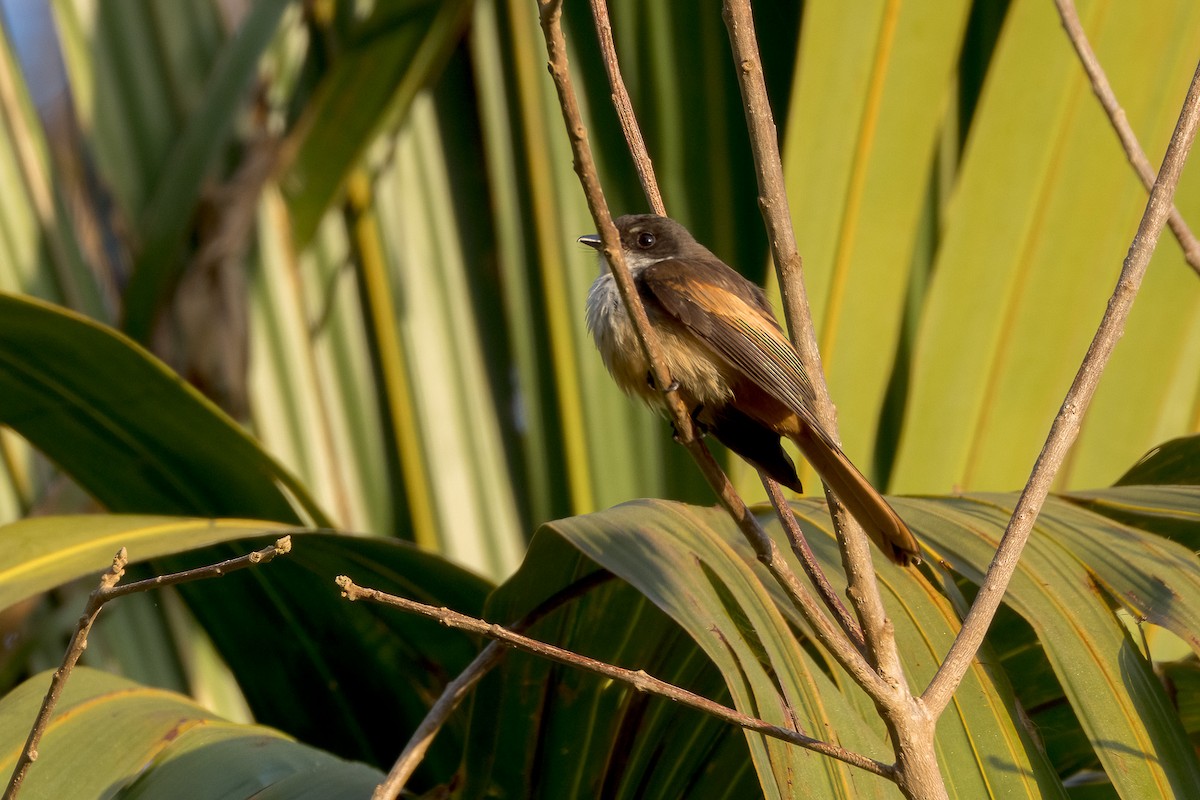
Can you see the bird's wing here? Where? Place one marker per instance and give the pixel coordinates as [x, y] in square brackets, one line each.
[730, 315]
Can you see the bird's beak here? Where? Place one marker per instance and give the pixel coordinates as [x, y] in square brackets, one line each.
[592, 240]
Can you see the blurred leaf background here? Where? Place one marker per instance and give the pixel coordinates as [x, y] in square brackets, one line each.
[351, 226]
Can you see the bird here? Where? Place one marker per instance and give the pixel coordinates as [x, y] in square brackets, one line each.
[731, 364]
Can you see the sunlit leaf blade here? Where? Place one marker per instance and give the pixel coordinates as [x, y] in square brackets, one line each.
[524, 713]
[675, 554]
[1016, 268]
[126, 428]
[878, 81]
[310, 371]
[385, 60]
[1155, 367]
[109, 734]
[450, 408]
[1118, 700]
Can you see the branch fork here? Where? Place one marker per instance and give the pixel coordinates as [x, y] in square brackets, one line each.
[110, 589]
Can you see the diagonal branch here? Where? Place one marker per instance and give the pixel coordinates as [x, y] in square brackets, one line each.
[764, 141]
[585, 167]
[910, 727]
[1067, 423]
[624, 106]
[808, 561]
[638, 679]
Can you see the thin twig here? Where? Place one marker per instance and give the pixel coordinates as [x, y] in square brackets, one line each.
[764, 142]
[624, 107]
[457, 689]
[808, 561]
[909, 726]
[453, 695]
[1067, 423]
[841, 648]
[585, 168]
[1120, 123]
[773, 201]
[106, 591]
[281, 547]
[638, 679]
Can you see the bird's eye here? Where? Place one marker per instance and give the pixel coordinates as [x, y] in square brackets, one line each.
[645, 240]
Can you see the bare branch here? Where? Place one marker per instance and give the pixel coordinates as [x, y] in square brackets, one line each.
[281, 547]
[808, 561]
[106, 591]
[418, 744]
[638, 679]
[624, 107]
[1067, 423]
[909, 725]
[764, 141]
[772, 198]
[585, 167]
[1116, 116]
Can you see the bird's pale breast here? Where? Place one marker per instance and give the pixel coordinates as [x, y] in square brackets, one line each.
[700, 379]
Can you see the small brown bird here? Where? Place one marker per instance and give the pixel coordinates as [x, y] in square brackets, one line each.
[733, 364]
